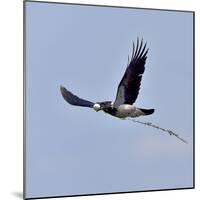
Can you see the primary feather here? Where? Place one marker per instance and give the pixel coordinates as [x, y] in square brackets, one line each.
[73, 99]
[129, 86]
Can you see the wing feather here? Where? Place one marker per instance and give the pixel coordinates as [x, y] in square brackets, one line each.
[73, 99]
[129, 86]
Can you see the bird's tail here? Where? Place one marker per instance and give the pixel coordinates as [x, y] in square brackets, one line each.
[147, 111]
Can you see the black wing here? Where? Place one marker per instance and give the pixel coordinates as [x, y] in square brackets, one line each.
[129, 86]
[74, 100]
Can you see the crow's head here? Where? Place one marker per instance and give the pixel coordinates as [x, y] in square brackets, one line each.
[102, 105]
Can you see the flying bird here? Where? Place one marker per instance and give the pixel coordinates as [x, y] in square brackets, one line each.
[128, 89]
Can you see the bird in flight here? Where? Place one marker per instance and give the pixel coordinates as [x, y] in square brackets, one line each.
[127, 92]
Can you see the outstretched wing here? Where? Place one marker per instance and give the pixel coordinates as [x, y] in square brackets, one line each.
[74, 100]
[129, 86]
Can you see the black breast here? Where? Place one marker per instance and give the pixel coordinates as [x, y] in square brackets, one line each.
[108, 108]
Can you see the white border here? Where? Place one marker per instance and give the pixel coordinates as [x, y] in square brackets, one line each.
[11, 97]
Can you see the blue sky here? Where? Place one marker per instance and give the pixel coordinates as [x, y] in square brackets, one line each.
[73, 150]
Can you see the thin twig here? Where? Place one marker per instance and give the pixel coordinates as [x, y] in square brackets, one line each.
[157, 127]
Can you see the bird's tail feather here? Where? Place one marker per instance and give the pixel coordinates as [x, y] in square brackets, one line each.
[147, 111]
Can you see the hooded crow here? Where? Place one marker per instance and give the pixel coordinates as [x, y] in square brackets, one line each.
[127, 92]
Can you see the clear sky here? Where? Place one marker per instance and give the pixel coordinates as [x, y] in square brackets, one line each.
[74, 150]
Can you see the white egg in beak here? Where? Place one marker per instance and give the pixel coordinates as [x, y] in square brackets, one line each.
[97, 107]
